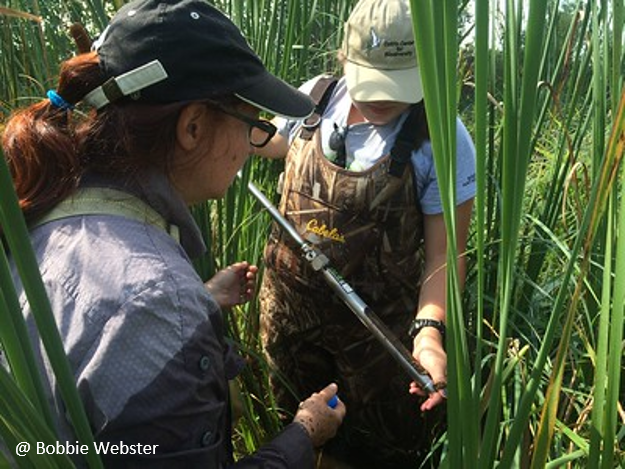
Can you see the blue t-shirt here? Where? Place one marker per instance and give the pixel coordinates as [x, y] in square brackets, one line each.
[366, 143]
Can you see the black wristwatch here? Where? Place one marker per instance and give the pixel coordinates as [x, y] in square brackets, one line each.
[419, 324]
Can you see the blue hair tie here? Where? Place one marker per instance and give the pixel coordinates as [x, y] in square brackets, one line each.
[58, 101]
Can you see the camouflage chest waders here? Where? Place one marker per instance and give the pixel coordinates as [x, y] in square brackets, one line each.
[370, 227]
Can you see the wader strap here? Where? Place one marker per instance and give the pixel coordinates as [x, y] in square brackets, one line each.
[90, 201]
[405, 142]
[320, 94]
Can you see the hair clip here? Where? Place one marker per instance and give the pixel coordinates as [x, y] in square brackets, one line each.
[58, 101]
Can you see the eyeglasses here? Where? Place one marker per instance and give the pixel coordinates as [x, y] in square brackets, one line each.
[260, 132]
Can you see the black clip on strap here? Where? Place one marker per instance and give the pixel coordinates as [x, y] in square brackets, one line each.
[321, 93]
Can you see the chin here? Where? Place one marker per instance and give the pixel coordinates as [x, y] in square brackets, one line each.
[211, 195]
[214, 195]
[378, 122]
[220, 192]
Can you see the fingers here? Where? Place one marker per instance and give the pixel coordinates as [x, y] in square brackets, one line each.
[432, 401]
[250, 281]
[246, 275]
[417, 389]
[316, 415]
[330, 397]
[233, 285]
[429, 353]
[329, 391]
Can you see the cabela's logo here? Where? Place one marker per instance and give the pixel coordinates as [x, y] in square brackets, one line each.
[323, 231]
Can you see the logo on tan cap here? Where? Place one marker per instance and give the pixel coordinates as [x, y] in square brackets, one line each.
[379, 47]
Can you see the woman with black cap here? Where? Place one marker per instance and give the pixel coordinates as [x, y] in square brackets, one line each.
[169, 101]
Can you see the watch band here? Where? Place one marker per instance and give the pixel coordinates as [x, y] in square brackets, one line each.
[418, 324]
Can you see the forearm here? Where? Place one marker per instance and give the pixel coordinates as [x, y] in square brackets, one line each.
[433, 294]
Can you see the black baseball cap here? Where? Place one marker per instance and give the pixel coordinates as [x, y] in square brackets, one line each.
[164, 51]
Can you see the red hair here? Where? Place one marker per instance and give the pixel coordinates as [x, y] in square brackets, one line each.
[48, 149]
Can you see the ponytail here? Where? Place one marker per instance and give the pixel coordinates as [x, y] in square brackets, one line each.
[40, 142]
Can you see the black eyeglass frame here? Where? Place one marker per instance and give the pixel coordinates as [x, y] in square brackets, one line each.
[262, 124]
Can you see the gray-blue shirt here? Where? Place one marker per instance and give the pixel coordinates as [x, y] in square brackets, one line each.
[145, 339]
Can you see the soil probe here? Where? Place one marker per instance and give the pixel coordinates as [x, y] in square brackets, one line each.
[346, 293]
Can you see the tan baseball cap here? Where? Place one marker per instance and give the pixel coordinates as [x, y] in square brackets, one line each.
[380, 53]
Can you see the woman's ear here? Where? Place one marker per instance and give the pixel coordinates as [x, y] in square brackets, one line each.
[191, 127]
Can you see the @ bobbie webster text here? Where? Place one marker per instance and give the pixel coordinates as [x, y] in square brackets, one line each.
[77, 448]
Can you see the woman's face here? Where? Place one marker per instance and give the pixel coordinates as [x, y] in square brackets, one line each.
[380, 112]
[207, 170]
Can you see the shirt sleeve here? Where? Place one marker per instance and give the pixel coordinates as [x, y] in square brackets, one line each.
[291, 449]
[157, 377]
[428, 192]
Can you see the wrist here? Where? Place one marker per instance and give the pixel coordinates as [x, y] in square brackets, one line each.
[302, 425]
[304, 419]
[419, 324]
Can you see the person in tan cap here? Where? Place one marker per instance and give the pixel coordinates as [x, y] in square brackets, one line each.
[360, 184]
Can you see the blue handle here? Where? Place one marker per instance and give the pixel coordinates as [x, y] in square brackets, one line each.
[333, 402]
